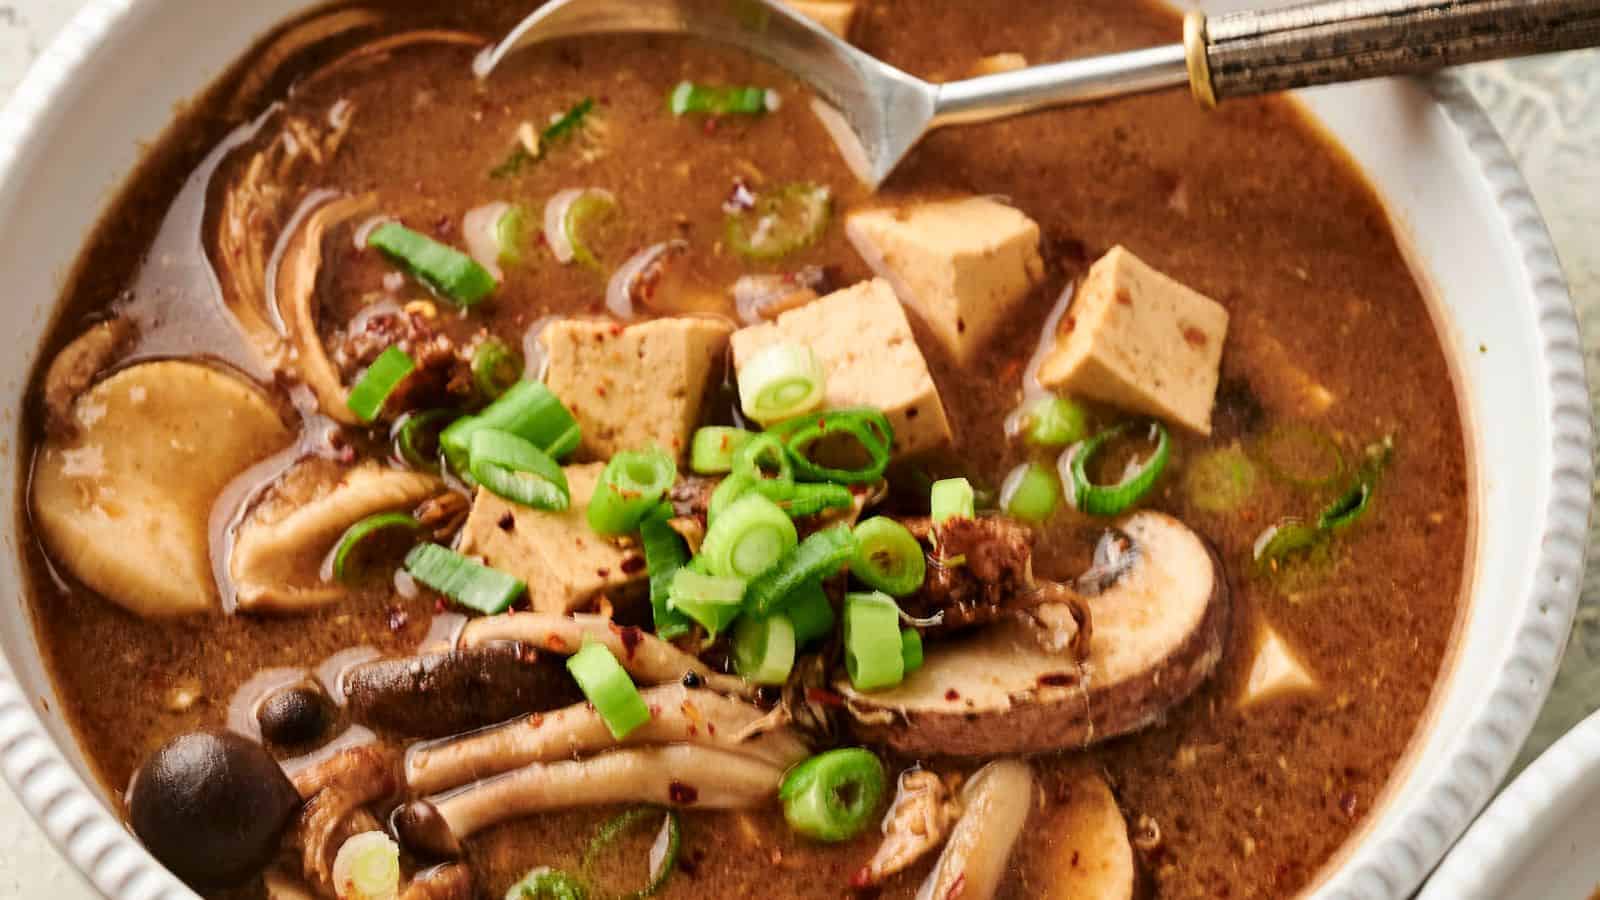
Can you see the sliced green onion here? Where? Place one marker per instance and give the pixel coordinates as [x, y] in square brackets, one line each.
[372, 390]
[445, 270]
[629, 489]
[801, 500]
[468, 583]
[367, 867]
[589, 209]
[1220, 481]
[713, 449]
[1114, 499]
[1030, 493]
[888, 558]
[713, 601]
[781, 382]
[1301, 455]
[811, 612]
[952, 498]
[818, 557]
[748, 538]
[1057, 422]
[873, 652]
[416, 437]
[727, 493]
[1285, 539]
[545, 883]
[764, 649]
[1353, 503]
[664, 554]
[496, 368]
[510, 234]
[754, 459]
[835, 796]
[608, 689]
[869, 428]
[530, 411]
[352, 555]
[688, 97]
[791, 218]
[911, 650]
[567, 124]
[514, 469]
[663, 857]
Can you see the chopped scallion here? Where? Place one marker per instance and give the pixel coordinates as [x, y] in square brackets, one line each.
[818, 557]
[629, 489]
[663, 858]
[528, 410]
[811, 612]
[762, 454]
[887, 557]
[911, 649]
[545, 883]
[873, 650]
[781, 382]
[1113, 499]
[416, 437]
[1057, 422]
[496, 368]
[468, 583]
[608, 689]
[1220, 481]
[372, 391]
[835, 796]
[445, 270]
[869, 428]
[1030, 493]
[367, 867]
[514, 469]
[352, 556]
[952, 498]
[664, 554]
[715, 602]
[764, 649]
[781, 222]
[748, 538]
[510, 234]
[713, 449]
[688, 97]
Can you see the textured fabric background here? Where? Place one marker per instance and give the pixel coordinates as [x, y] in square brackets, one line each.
[1549, 110]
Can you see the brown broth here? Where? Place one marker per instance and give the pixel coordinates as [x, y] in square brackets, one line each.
[1248, 204]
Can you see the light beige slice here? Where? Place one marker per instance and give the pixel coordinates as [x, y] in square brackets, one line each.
[124, 503]
[1089, 856]
[1276, 671]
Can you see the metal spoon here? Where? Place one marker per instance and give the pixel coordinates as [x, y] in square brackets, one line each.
[878, 113]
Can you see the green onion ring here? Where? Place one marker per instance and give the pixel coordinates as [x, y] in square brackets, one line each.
[344, 568]
[516, 470]
[764, 649]
[952, 498]
[378, 383]
[869, 427]
[629, 488]
[663, 855]
[609, 689]
[759, 452]
[874, 653]
[664, 554]
[496, 368]
[749, 538]
[1114, 499]
[1280, 448]
[814, 559]
[781, 382]
[835, 796]
[545, 883]
[888, 558]
[412, 429]
[714, 448]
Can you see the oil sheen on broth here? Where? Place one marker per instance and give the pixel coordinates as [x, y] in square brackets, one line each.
[1330, 351]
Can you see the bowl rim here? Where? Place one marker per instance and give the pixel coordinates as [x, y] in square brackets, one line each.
[102, 850]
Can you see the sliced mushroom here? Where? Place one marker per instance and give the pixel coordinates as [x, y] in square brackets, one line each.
[278, 553]
[995, 803]
[338, 791]
[1089, 856]
[297, 302]
[448, 882]
[459, 690]
[682, 775]
[678, 715]
[917, 823]
[124, 503]
[77, 366]
[646, 657]
[1158, 634]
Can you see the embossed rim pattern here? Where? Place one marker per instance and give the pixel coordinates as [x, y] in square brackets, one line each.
[1386, 866]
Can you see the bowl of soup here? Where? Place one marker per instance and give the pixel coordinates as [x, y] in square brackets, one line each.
[575, 483]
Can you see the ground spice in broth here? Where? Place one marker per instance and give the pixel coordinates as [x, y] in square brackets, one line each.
[1247, 204]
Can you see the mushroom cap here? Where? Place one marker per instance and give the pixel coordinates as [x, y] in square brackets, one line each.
[277, 559]
[212, 807]
[124, 502]
[1158, 633]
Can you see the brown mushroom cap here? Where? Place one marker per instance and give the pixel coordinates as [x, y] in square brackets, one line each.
[1158, 634]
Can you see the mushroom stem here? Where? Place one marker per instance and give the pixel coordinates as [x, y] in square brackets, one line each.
[683, 775]
[645, 656]
[679, 715]
[447, 882]
[997, 802]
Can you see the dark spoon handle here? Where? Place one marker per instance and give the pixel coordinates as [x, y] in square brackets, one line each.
[1348, 40]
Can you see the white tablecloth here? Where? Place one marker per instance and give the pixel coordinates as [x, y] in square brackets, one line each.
[1549, 110]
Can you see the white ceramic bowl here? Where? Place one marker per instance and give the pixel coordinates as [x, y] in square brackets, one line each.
[1537, 840]
[112, 79]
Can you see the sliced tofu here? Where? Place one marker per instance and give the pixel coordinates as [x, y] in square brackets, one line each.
[636, 386]
[835, 15]
[864, 342]
[1140, 341]
[565, 564]
[1275, 672]
[965, 266]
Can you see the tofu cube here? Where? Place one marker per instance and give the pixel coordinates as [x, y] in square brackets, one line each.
[965, 265]
[864, 342]
[835, 15]
[1140, 341]
[1275, 672]
[565, 564]
[635, 386]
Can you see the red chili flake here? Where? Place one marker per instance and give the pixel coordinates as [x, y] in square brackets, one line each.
[824, 697]
[1074, 859]
[958, 888]
[616, 329]
[603, 573]
[632, 565]
[912, 413]
[556, 644]
[710, 127]
[1124, 298]
[1058, 679]
[438, 605]
[862, 878]
[682, 794]
[601, 390]
[711, 729]
[1069, 325]
[543, 241]
[1194, 337]
[536, 720]
[952, 695]
[631, 639]
[961, 326]
[693, 729]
